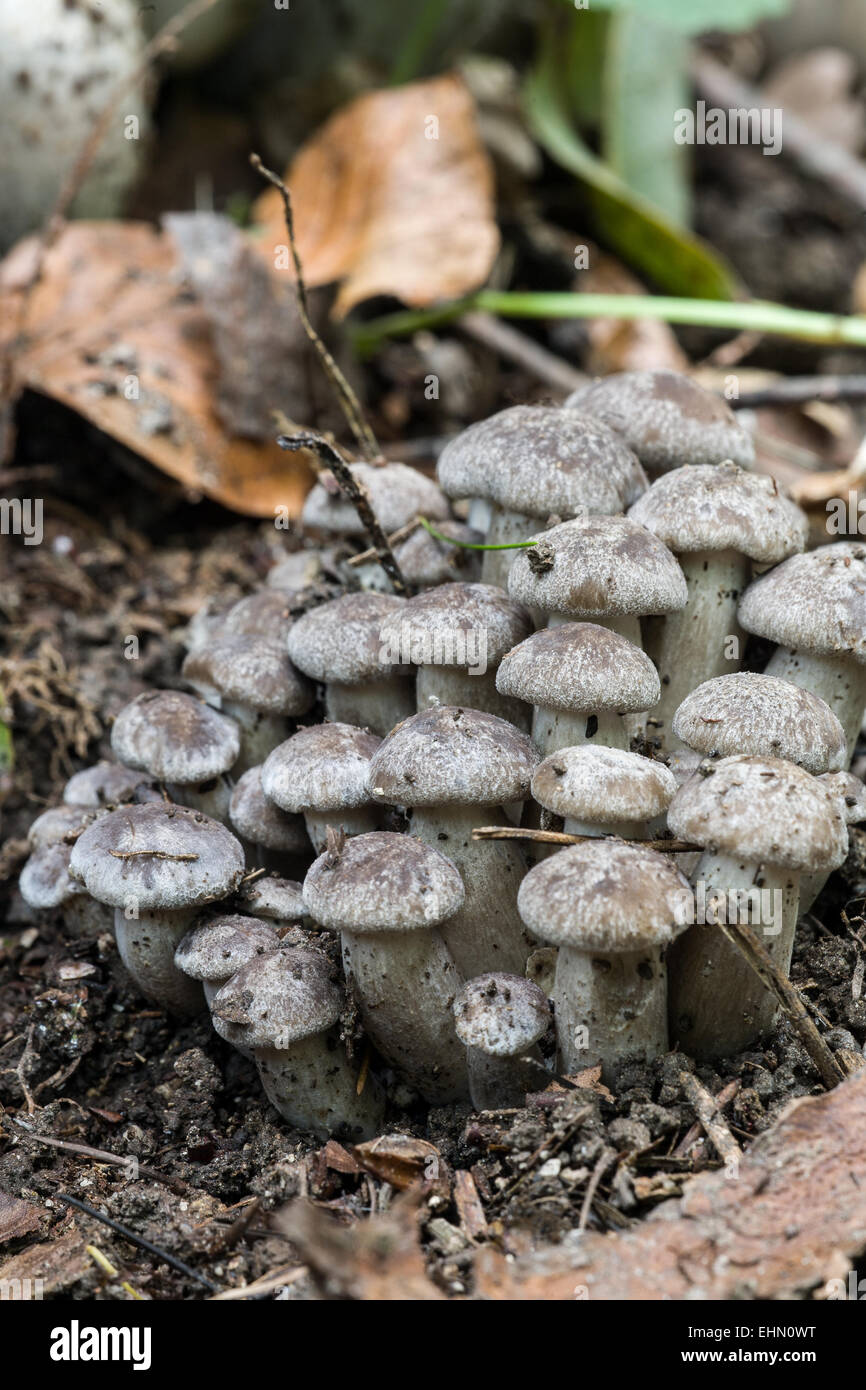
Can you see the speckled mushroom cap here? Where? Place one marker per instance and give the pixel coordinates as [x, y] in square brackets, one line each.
[253, 671]
[277, 899]
[104, 784]
[259, 820]
[765, 810]
[580, 666]
[424, 560]
[541, 460]
[667, 419]
[750, 713]
[428, 625]
[217, 948]
[340, 640]
[605, 896]
[263, 614]
[323, 768]
[44, 881]
[596, 565]
[852, 792]
[814, 602]
[57, 823]
[278, 999]
[397, 495]
[175, 737]
[118, 858]
[603, 785]
[500, 1014]
[722, 508]
[447, 756]
[382, 882]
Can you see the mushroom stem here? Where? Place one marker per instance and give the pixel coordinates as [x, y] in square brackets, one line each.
[313, 1086]
[357, 821]
[406, 983]
[718, 1004]
[610, 1009]
[480, 512]
[505, 528]
[260, 734]
[453, 686]
[486, 933]
[692, 646]
[553, 729]
[376, 705]
[626, 624]
[498, 1082]
[840, 680]
[146, 945]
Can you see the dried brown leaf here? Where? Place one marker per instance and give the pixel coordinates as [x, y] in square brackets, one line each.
[401, 1160]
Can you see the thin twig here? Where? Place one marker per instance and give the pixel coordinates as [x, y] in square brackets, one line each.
[799, 390]
[603, 1162]
[135, 1239]
[395, 538]
[706, 1108]
[517, 347]
[268, 1283]
[103, 1156]
[152, 854]
[357, 495]
[559, 837]
[351, 406]
[768, 973]
[547, 1149]
[724, 1097]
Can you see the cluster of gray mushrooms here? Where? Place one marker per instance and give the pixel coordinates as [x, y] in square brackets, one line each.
[326, 763]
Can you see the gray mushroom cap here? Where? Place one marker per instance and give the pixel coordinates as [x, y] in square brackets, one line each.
[277, 999]
[699, 507]
[605, 896]
[340, 640]
[424, 560]
[175, 737]
[277, 899]
[852, 792]
[165, 857]
[104, 784]
[44, 880]
[665, 417]
[541, 460]
[322, 768]
[382, 882]
[580, 666]
[262, 614]
[259, 820]
[217, 948]
[765, 810]
[447, 755]
[814, 602]
[501, 1014]
[59, 823]
[429, 624]
[599, 565]
[750, 713]
[253, 671]
[397, 495]
[603, 785]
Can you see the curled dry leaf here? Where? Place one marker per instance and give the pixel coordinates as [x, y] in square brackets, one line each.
[393, 196]
[113, 333]
[400, 1160]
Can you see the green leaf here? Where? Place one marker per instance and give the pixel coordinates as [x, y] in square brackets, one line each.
[7, 751]
[671, 257]
[645, 82]
[697, 16]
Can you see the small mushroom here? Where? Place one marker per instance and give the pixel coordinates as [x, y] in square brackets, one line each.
[339, 643]
[262, 614]
[764, 716]
[762, 822]
[397, 495]
[105, 784]
[157, 866]
[275, 899]
[612, 909]
[603, 791]
[283, 1007]
[581, 678]
[321, 773]
[45, 884]
[814, 607]
[387, 894]
[456, 635]
[252, 680]
[182, 742]
[500, 1018]
[852, 794]
[276, 838]
[425, 561]
[716, 520]
[667, 419]
[216, 948]
[455, 768]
